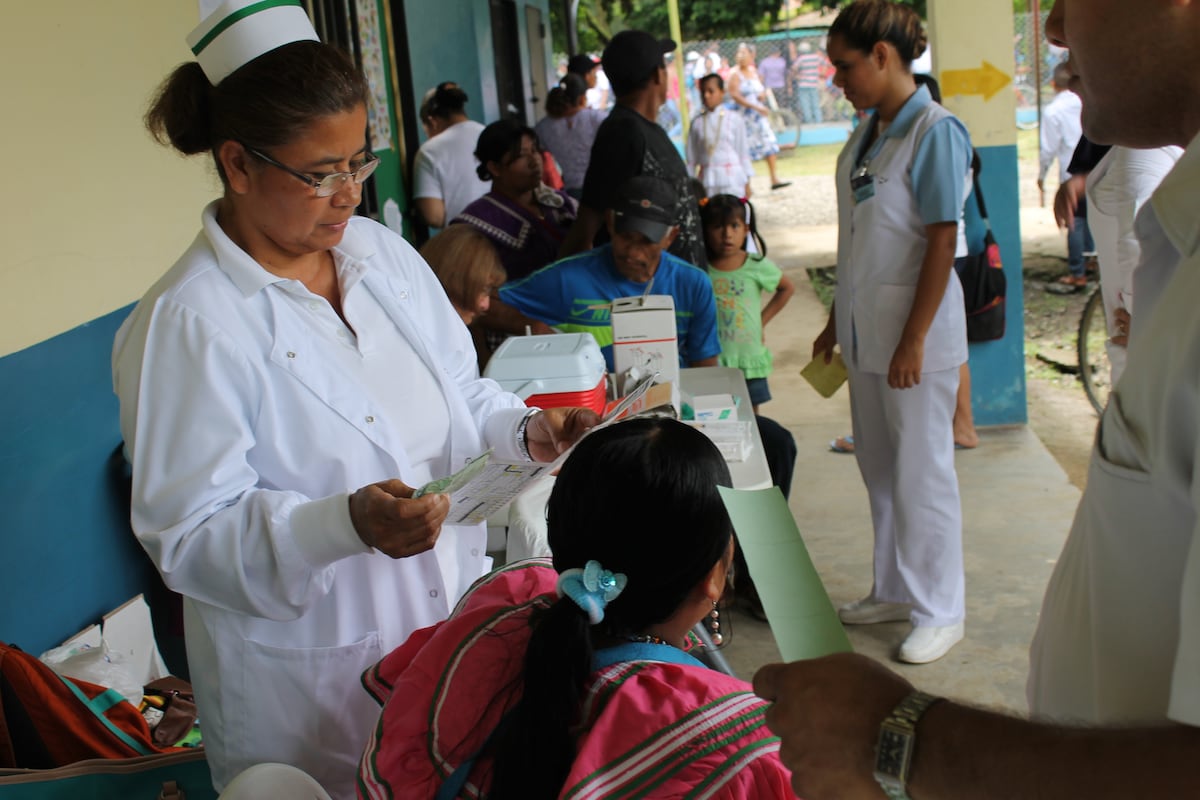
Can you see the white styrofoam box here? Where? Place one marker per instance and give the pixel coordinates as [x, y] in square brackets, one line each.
[547, 364]
[645, 338]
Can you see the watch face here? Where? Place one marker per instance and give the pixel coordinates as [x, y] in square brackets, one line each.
[891, 758]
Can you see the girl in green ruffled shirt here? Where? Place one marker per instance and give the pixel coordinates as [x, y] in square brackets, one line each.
[739, 281]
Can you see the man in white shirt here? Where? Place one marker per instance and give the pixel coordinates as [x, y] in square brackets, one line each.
[1115, 667]
[1059, 135]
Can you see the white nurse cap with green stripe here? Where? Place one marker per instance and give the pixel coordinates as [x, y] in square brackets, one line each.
[239, 31]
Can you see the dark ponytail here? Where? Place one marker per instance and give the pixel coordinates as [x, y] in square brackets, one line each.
[264, 103]
[534, 747]
[179, 114]
[665, 535]
[445, 101]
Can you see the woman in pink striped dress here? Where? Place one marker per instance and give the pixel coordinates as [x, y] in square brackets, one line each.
[571, 679]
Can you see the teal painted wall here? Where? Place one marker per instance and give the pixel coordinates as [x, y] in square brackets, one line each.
[998, 368]
[451, 40]
[446, 43]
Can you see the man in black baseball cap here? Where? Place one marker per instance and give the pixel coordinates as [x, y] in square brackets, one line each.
[570, 294]
[630, 143]
[632, 57]
[645, 205]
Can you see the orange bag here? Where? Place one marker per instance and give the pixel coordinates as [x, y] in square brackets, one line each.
[48, 721]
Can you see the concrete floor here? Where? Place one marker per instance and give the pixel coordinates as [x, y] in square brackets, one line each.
[1017, 508]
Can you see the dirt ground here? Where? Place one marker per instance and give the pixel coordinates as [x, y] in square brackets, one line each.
[1059, 411]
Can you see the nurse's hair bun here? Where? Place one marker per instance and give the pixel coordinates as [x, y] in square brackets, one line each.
[865, 23]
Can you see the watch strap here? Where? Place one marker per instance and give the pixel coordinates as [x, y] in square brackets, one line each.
[912, 707]
[902, 720]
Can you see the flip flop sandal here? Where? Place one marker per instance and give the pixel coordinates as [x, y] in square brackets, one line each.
[842, 444]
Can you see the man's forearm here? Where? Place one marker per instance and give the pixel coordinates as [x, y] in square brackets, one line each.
[968, 752]
[503, 317]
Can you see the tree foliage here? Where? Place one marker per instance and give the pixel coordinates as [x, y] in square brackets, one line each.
[598, 20]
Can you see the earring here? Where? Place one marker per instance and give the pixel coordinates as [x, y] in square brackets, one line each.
[715, 625]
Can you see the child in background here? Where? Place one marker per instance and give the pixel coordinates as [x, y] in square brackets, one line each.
[739, 280]
[717, 149]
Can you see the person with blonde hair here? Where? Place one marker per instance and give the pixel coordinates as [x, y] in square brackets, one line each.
[466, 263]
[746, 90]
[469, 269]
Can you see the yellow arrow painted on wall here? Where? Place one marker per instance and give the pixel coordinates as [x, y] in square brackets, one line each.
[986, 80]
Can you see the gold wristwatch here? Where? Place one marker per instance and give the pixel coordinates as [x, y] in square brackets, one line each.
[897, 738]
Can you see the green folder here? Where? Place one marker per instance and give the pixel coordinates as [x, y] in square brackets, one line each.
[801, 615]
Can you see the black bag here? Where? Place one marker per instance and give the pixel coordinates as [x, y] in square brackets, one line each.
[983, 283]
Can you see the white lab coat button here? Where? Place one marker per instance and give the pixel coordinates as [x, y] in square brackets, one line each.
[370, 420]
[291, 354]
[433, 592]
[403, 295]
[474, 551]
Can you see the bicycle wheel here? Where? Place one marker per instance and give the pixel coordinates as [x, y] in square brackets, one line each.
[1095, 371]
[783, 120]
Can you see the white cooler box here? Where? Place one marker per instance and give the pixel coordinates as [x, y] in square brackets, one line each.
[552, 371]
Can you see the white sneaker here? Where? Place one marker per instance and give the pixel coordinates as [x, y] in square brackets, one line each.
[868, 611]
[930, 642]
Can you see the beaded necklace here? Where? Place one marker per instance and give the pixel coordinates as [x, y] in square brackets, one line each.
[710, 145]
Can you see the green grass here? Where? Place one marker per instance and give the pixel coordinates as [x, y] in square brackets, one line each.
[1027, 145]
[824, 283]
[821, 159]
[814, 159]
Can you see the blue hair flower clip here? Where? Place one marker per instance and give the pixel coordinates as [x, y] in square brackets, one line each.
[591, 588]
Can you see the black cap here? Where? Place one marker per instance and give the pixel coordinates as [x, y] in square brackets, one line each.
[646, 205]
[581, 64]
[631, 57]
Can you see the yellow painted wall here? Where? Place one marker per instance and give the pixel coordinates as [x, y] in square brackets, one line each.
[92, 210]
[963, 36]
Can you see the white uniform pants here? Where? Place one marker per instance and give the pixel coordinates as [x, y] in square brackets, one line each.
[904, 444]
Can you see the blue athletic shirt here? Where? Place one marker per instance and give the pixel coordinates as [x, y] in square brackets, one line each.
[573, 295]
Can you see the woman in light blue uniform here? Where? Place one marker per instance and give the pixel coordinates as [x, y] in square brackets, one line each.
[898, 318]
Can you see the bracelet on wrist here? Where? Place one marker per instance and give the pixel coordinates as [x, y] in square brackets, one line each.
[523, 433]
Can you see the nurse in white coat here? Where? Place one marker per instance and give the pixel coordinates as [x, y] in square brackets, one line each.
[898, 319]
[282, 387]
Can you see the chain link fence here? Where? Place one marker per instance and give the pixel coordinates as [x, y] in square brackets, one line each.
[1035, 60]
[798, 77]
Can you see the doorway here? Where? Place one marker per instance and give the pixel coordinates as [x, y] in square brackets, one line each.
[509, 93]
[535, 37]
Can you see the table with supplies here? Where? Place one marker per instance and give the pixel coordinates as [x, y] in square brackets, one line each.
[526, 537]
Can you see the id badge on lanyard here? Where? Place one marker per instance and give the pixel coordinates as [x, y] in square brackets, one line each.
[862, 183]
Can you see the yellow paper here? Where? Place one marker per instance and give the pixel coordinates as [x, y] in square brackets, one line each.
[825, 378]
[798, 608]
